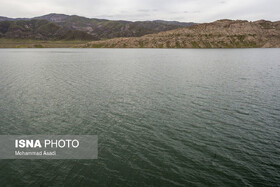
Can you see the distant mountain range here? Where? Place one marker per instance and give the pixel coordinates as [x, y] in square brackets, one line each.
[139, 34]
[219, 34]
[61, 26]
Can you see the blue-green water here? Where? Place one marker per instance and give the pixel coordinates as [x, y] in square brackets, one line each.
[163, 117]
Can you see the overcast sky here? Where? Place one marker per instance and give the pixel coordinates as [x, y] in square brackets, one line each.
[179, 10]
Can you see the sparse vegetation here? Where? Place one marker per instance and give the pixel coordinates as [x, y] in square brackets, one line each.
[266, 25]
[178, 45]
[195, 44]
[168, 44]
[218, 34]
[26, 43]
[241, 37]
[39, 30]
[240, 34]
[96, 45]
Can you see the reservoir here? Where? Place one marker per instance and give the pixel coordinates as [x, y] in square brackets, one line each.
[164, 117]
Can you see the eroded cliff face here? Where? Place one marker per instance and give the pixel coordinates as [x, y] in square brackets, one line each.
[219, 34]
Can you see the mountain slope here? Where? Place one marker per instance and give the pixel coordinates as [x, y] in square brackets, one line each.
[5, 18]
[104, 29]
[40, 30]
[219, 34]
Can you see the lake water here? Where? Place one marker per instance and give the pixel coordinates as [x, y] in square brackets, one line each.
[164, 117]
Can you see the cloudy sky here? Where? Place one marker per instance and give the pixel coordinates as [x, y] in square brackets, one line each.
[180, 10]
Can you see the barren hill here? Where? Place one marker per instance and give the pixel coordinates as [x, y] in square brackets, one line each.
[219, 34]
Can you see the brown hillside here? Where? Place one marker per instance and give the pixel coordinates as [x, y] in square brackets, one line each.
[219, 34]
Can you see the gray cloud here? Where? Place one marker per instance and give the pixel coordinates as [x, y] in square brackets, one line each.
[144, 10]
[180, 10]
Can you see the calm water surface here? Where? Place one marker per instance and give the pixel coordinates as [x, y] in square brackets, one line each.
[164, 117]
